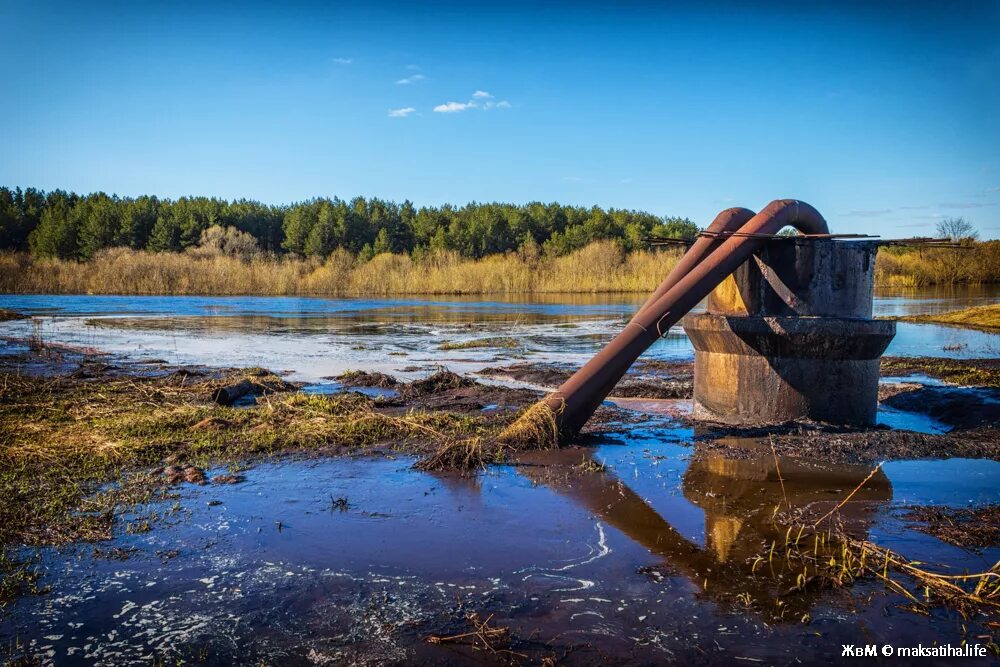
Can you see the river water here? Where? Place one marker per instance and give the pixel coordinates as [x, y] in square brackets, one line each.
[641, 563]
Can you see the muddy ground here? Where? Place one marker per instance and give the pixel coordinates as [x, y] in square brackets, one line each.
[149, 429]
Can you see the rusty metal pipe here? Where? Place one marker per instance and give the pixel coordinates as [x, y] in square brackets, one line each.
[575, 400]
[729, 220]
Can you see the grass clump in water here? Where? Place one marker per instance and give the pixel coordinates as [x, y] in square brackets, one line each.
[536, 428]
[497, 342]
[438, 382]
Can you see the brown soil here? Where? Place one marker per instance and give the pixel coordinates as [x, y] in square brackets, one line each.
[976, 528]
[867, 446]
[647, 379]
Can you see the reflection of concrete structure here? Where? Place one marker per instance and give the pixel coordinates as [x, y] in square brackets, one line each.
[738, 498]
[789, 334]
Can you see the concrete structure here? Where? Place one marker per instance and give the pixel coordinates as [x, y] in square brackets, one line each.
[789, 335]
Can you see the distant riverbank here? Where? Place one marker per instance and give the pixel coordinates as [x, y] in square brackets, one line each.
[602, 266]
[985, 318]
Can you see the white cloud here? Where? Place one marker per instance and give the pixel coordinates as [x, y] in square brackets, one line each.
[454, 107]
[401, 113]
[413, 78]
[343, 61]
[480, 100]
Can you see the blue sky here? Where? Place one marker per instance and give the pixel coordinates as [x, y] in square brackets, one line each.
[883, 116]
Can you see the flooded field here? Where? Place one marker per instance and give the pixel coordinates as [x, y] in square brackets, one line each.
[313, 338]
[632, 547]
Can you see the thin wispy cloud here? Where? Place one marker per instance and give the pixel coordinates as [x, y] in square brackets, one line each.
[967, 204]
[413, 78]
[401, 113]
[343, 61]
[413, 68]
[480, 100]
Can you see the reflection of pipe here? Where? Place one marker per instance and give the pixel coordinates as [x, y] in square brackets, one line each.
[577, 398]
[737, 497]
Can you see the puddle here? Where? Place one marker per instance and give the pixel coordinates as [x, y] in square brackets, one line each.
[909, 421]
[638, 561]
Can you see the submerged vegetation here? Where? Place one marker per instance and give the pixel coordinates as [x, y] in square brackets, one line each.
[502, 342]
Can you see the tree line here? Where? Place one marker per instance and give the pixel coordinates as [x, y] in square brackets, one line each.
[71, 226]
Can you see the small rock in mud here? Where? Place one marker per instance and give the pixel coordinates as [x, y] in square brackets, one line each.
[228, 479]
[194, 475]
[214, 503]
[173, 474]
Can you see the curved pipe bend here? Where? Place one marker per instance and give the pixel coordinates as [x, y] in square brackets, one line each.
[577, 398]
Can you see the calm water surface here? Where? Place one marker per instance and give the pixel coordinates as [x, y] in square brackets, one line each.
[316, 337]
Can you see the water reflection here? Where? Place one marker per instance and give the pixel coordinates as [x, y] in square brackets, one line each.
[739, 499]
